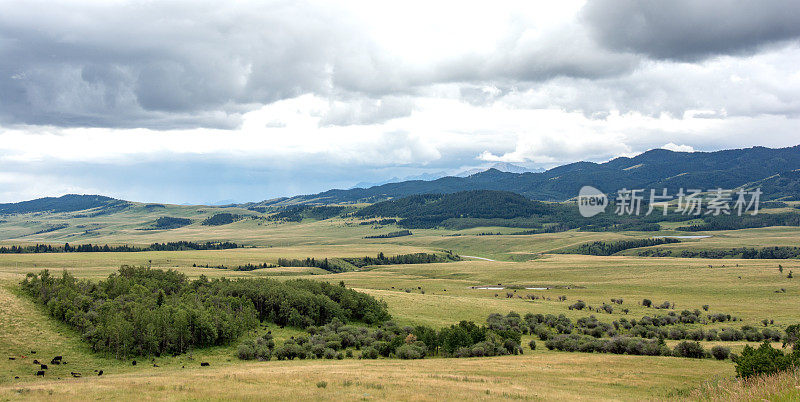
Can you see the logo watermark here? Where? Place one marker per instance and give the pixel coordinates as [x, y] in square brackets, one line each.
[690, 202]
[591, 201]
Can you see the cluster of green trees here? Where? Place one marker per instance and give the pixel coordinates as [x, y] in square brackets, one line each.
[399, 233]
[673, 326]
[476, 208]
[350, 263]
[300, 212]
[380, 222]
[414, 258]
[328, 265]
[767, 360]
[336, 340]
[96, 248]
[143, 311]
[430, 210]
[168, 222]
[611, 248]
[245, 267]
[777, 252]
[221, 219]
[746, 221]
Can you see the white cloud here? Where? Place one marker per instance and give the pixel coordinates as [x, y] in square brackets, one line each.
[678, 148]
[280, 97]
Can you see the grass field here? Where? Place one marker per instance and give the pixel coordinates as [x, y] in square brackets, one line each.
[432, 294]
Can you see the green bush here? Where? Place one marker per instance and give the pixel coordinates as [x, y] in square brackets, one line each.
[720, 352]
[369, 353]
[690, 349]
[764, 360]
[410, 352]
[532, 344]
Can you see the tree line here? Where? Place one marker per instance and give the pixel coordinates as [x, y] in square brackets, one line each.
[767, 253]
[610, 248]
[96, 248]
[143, 311]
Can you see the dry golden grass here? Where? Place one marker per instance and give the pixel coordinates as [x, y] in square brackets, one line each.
[537, 376]
[775, 387]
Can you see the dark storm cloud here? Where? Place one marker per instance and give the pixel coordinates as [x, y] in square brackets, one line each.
[159, 65]
[691, 29]
[195, 64]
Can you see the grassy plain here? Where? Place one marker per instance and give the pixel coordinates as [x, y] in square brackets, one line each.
[432, 294]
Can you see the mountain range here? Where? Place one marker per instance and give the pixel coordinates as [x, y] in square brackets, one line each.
[773, 169]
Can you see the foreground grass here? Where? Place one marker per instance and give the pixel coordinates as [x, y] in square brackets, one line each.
[775, 387]
[537, 376]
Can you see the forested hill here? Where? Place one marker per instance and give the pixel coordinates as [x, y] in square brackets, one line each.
[658, 168]
[431, 210]
[66, 203]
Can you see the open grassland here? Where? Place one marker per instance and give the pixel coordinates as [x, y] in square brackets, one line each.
[432, 294]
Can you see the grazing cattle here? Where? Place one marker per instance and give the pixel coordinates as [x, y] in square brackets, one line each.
[204, 364]
[76, 375]
[56, 360]
[33, 352]
[100, 372]
[16, 377]
[36, 361]
[155, 365]
[12, 358]
[43, 366]
[40, 373]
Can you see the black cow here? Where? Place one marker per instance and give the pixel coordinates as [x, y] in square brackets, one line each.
[134, 362]
[36, 361]
[43, 366]
[204, 364]
[56, 360]
[12, 358]
[40, 373]
[100, 372]
[76, 375]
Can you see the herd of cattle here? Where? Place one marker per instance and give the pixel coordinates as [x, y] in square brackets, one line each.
[59, 360]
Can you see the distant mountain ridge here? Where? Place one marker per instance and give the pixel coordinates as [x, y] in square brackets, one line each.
[657, 168]
[775, 171]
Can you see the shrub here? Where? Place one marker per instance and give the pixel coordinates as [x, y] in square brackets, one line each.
[289, 351]
[369, 353]
[532, 344]
[245, 352]
[579, 305]
[410, 352]
[647, 302]
[720, 352]
[689, 349]
[730, 335]
[764, 360]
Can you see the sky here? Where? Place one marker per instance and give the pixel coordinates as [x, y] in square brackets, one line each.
[204, 102]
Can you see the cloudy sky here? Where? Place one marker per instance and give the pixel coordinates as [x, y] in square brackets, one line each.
[197, 102]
